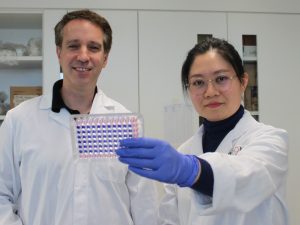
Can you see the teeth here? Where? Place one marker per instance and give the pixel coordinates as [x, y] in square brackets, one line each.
[82, 69]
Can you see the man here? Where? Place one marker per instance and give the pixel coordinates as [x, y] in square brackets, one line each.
[41, 182]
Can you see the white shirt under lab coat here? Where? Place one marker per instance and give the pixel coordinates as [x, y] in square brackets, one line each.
[250, 171]
[41, 179]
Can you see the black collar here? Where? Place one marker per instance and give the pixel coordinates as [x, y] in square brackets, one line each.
[57, 101]
[214, 132]
[224, 125]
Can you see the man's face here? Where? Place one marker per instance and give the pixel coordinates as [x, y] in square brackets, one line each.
[81, 55]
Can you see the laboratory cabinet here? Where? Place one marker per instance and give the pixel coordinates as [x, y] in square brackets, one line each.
[20, 52]
[164, 41]
[278, 77]
[51, 69]
[120, 78]
[277, 54]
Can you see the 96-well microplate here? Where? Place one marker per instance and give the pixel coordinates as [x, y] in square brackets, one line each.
[98, 135]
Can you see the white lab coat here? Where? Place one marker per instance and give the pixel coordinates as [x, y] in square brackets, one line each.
[249, 183]
[41, 179]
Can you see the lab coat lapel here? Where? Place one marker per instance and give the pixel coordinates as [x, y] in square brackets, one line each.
[194, 144]
[198, 141]
[63, 117]
[245, 124]
[102, 104]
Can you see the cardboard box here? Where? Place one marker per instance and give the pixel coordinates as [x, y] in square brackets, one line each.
[21, 94]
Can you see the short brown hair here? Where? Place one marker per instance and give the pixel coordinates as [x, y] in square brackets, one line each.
[91, 16]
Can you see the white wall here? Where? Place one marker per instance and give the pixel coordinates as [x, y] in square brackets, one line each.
[291, 6]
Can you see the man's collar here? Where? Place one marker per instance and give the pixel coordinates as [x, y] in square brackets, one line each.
[57, 100]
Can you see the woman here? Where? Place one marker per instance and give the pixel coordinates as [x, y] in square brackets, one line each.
[234, 168]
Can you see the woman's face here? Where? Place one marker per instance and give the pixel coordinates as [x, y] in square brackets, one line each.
[221, 95]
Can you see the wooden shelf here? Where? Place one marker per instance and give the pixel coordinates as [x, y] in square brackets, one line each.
[249, 58]
[254, 113]
[20, 62]
[21, 20]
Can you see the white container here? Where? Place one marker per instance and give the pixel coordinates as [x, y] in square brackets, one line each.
[249, 51]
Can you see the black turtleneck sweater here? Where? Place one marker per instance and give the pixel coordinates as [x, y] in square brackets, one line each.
[214, 133]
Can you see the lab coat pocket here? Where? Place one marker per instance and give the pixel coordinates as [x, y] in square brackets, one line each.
[109, 169]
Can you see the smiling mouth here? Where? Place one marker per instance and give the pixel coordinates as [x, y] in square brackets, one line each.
[82, 69]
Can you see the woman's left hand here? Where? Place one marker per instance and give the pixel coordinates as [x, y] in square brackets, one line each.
[158, 160]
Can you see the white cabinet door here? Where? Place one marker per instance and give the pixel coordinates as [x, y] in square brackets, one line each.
[278, 80]
[164, 40]
[50, 61]
[119, 80]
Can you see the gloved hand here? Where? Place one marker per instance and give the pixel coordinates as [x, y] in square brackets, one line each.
[158, 160]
